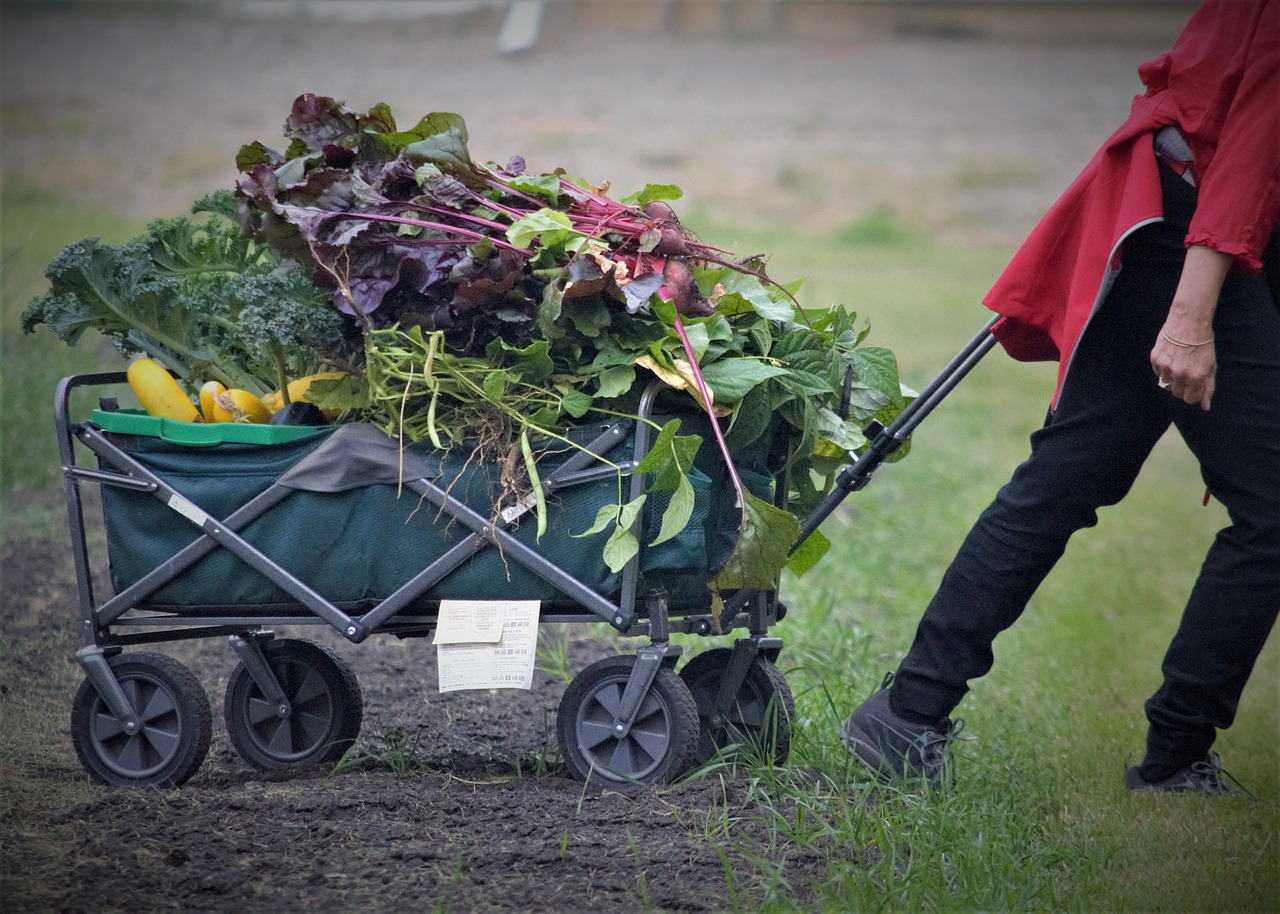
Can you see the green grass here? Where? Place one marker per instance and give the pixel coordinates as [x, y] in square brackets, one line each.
[1039, 820]
[33, 232]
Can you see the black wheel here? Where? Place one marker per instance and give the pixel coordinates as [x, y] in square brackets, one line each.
[660, 744]
[174, 729]
[326, 708]
[758, 718]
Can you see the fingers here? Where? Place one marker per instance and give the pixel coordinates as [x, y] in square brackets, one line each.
[1193, 392]
[1207, 396]
[1188, 376]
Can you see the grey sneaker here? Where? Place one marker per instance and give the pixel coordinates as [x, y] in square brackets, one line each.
[895, 749]
[1206, 776]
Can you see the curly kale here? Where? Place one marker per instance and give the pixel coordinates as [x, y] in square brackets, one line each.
[201, 298]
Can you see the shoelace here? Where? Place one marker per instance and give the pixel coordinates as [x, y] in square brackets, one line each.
[1212, 772]
[934, 743]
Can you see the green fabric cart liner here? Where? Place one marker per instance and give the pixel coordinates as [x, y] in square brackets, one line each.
[355, 547]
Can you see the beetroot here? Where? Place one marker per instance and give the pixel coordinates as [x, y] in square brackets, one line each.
[682, 290]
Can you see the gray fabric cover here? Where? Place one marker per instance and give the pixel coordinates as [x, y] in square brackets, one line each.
[355, 456]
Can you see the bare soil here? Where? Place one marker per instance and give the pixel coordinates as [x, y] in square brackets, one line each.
[141, 108]
[463, 804]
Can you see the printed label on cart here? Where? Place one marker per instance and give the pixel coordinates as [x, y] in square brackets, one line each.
[486, 644]
[187, 509]
[520, 508]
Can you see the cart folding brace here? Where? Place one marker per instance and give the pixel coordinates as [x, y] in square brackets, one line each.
[232, 536]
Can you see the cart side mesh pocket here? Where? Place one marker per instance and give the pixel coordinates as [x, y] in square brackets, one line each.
[686, 552]
[722, 526]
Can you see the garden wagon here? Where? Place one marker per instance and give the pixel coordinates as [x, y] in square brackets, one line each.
[228, 530]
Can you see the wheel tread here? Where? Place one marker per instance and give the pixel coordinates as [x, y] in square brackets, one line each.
[243, 710]
[89, 719]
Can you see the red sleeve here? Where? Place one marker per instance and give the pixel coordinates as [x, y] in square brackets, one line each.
[1239, 200]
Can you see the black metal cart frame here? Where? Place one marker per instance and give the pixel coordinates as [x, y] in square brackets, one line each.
[607, 727]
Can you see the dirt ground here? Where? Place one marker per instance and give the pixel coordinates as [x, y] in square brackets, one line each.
[464, 805]
[141, 108]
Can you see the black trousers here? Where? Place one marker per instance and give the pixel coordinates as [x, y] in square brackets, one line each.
[1109, 416]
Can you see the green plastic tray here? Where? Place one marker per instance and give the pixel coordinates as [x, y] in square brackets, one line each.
[200, 434]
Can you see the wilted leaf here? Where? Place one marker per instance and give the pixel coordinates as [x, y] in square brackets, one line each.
[808, 553]
[765, 538]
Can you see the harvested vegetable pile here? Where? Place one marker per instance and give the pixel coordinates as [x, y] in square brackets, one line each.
[484, 306]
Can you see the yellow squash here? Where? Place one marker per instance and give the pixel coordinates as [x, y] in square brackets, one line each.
[159, 394]
[208, 391]
[237, 405]
[298, 392]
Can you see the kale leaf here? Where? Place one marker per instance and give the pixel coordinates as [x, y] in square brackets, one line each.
[198, 297]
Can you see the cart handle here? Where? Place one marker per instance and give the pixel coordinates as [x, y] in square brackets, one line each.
[884, 441]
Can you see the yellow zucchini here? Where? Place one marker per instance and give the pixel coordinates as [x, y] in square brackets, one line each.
[298, 392]
[159, 394]
[208, 391]
[237, 405]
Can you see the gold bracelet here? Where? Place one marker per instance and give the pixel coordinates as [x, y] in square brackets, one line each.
[1183, 343]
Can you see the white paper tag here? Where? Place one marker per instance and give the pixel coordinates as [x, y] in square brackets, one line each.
[520, 508]
[504, 662]
[470, 621]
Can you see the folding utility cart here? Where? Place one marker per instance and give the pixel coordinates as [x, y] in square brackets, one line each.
[232, 530]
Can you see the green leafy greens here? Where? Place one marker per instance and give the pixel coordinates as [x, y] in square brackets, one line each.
[487, 306]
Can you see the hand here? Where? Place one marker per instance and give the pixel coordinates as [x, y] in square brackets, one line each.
[1187, 374]
[1183, 357]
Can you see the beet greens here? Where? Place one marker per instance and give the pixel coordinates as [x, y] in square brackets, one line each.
[497, 303]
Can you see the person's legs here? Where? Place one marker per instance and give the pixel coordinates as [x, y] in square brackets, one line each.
[1234, 604]
[1109, 415]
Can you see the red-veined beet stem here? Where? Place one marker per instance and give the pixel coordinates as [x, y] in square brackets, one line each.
[458, 214]
[465, 234]
[711, 414]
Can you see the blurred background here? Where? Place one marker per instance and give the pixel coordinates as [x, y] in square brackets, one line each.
[961, 116]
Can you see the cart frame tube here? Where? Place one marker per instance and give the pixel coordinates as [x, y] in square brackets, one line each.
[884, 440]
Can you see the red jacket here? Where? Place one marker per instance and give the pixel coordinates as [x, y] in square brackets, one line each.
[1220, 85]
